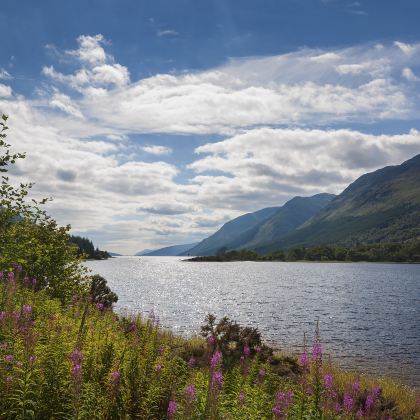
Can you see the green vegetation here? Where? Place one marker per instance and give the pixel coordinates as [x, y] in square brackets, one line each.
[383, 252]
[82, 361]
[86, 249]
[65, 354]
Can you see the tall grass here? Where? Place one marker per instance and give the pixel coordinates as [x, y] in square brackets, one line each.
[82, 361]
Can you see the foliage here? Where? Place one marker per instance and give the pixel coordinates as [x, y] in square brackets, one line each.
[100, 293]
[379, 252]
[230, 338]
[86, 249]
[33, 240]
[83, 361]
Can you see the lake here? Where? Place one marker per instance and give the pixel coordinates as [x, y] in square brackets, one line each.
[369, 314]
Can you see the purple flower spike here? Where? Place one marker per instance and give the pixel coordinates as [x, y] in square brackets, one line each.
[11, 277]
[304, 361]
[281, 406]
[27, 309]
[115, 377]
[355, 387]
[171, 408]
[216, 359]
[191, 362]
[247, 350]
[359, 413]
[76, 356]
[211, 340]
[76, 371]
[261, 374]
[2, 315]
[190, 393]
[8, 358]
[100, 306]
[348, 402]
[217, 381]
[328, 381]
[242, 398]
[158, 367]
[317, 352]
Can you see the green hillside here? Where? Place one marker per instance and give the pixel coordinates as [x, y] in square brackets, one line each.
[382, 206]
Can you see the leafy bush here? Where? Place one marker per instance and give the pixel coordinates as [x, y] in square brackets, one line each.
[100, 293]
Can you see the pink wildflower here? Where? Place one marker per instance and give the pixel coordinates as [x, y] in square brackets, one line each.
[190, 393]
[304, 361]
[171, 408]
[216, 359]
[217, 381]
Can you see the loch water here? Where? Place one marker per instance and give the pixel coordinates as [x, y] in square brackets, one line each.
[369, 313]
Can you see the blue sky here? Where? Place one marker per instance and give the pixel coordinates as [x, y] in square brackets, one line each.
[153, 122]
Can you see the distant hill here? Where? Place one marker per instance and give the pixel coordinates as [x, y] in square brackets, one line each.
[235, 229]
[114, 254]
[253, 229]
[168, 251]
[143, 252]
[381, 206]
[86, 248]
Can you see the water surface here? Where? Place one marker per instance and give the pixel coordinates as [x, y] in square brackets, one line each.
[369, 313]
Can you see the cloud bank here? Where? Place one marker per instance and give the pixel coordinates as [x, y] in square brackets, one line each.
[283, 123]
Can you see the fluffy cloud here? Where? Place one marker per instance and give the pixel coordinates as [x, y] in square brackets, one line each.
[98, 69]
[271, 115]
[5, 75]
[5, 91]
[307, 87]
[268, 164]
[157, 150]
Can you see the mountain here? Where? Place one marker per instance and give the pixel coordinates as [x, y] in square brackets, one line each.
[381, 206]
[287, 218]
[143, 252]
[235, 229]
[253, 229]
[168, 251]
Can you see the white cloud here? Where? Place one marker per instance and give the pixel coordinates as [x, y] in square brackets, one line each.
[157, 150]
[167, 32]
[408, 74]
[406, 48]
[268, 164]
[5, 75]
[90, 49]
[5, 91]
[307, 87]
[65, 104]
[82, 150]
[98, 69]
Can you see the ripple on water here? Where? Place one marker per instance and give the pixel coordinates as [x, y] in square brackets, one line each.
[369, 313]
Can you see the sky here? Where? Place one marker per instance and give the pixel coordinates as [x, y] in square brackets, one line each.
[152, 123]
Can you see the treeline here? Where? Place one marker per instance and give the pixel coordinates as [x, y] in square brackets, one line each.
[86, 248]
[386, 252]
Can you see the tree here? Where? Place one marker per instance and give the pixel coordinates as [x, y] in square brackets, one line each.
[101, 293]
[31, 239]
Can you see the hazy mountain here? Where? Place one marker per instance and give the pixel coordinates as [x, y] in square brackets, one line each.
[382, 206]
[287, 218]
[253, 229]
[168, 251]
[234, 229]
[143, 252]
